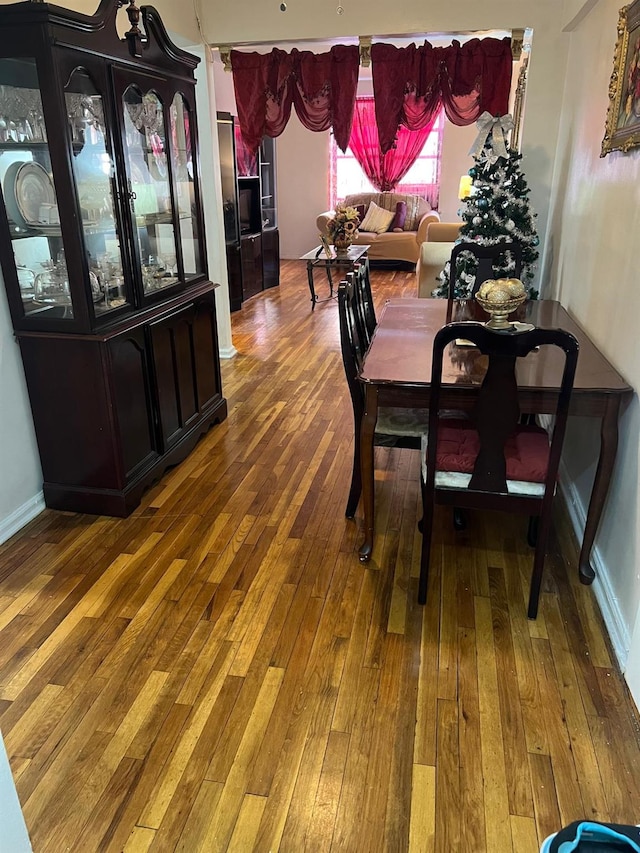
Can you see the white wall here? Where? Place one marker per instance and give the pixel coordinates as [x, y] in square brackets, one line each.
[212, 194]
[13, 831]
[303, 187]
[21, 479]
[456, 161]
[592, 267]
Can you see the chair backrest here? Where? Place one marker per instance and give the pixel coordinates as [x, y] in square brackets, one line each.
[364, 299]
[502, 260]
[352, 338]
[496, 408]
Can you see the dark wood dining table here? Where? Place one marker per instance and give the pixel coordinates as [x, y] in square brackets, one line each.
[397, 372]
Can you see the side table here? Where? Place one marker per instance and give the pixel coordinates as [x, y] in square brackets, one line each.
[318, 258]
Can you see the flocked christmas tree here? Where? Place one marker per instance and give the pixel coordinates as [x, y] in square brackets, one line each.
[497, 210]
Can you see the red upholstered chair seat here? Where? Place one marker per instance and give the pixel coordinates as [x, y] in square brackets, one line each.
[526, 451]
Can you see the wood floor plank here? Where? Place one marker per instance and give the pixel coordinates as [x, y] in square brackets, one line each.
[247, 825]
[513, 732]
[448, 778]
[569, 795]
[423, 809]
[170, 779]
[316, 702]
[545, 795]
[472, 828]
[496, 795]
[397, 824]
[219, 670]
[222, 820]
[523, 834]
[577, 725]
[140, 840]
[319, 832]
[427, 708]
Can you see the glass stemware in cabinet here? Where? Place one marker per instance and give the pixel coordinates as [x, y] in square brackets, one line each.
[94, 172]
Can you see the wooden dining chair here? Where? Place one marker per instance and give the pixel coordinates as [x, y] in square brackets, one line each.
[395, 427]
[364, 299]
[502, 260]
[491, 460]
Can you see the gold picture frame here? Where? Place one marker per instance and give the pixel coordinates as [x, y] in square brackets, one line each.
[622, 129]
[326, 246]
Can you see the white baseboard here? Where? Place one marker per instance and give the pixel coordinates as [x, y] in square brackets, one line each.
[228, 352]
[619, 633]
[21, 516]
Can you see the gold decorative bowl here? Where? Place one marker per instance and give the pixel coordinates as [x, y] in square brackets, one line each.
[499, 311]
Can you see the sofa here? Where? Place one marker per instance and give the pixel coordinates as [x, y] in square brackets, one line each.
[434, 254]
[390, 245]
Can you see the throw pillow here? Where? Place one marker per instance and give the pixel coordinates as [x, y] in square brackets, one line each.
[362, 209]
[414, 204]
[399, 218]
[377, 219]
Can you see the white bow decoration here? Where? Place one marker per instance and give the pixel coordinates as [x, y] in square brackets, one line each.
[492, 129]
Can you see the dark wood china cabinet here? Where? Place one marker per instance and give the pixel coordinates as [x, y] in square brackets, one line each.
[102, 248]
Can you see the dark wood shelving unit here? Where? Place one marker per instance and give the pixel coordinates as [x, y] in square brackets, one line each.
[250, 209]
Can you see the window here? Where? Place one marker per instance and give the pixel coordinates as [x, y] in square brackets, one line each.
[423, 178]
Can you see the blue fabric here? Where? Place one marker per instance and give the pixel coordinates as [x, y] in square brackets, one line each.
[594, 833]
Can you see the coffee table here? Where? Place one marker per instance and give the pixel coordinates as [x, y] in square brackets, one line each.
[318, 258]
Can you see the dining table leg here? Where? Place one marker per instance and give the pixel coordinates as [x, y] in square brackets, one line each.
[367, 432]
[604, 471]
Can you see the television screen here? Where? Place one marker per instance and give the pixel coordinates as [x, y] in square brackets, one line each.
[244, 209]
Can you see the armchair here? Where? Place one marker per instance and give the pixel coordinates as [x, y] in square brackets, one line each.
[434, 254]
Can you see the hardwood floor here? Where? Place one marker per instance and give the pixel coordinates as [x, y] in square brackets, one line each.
[218, 672]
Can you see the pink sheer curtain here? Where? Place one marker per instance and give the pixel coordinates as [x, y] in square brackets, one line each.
[246, 161]
[411, 84]
[321, 87]
[385, 171]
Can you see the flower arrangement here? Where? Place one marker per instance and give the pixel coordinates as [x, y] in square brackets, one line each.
[344, 223]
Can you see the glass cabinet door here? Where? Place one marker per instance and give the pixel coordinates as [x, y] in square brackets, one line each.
[268, 182]
[145, 151]
[94, 175]
[184, 178]
[29, 194]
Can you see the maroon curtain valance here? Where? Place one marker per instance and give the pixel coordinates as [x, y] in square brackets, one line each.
[321, 88]
[410, 84]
